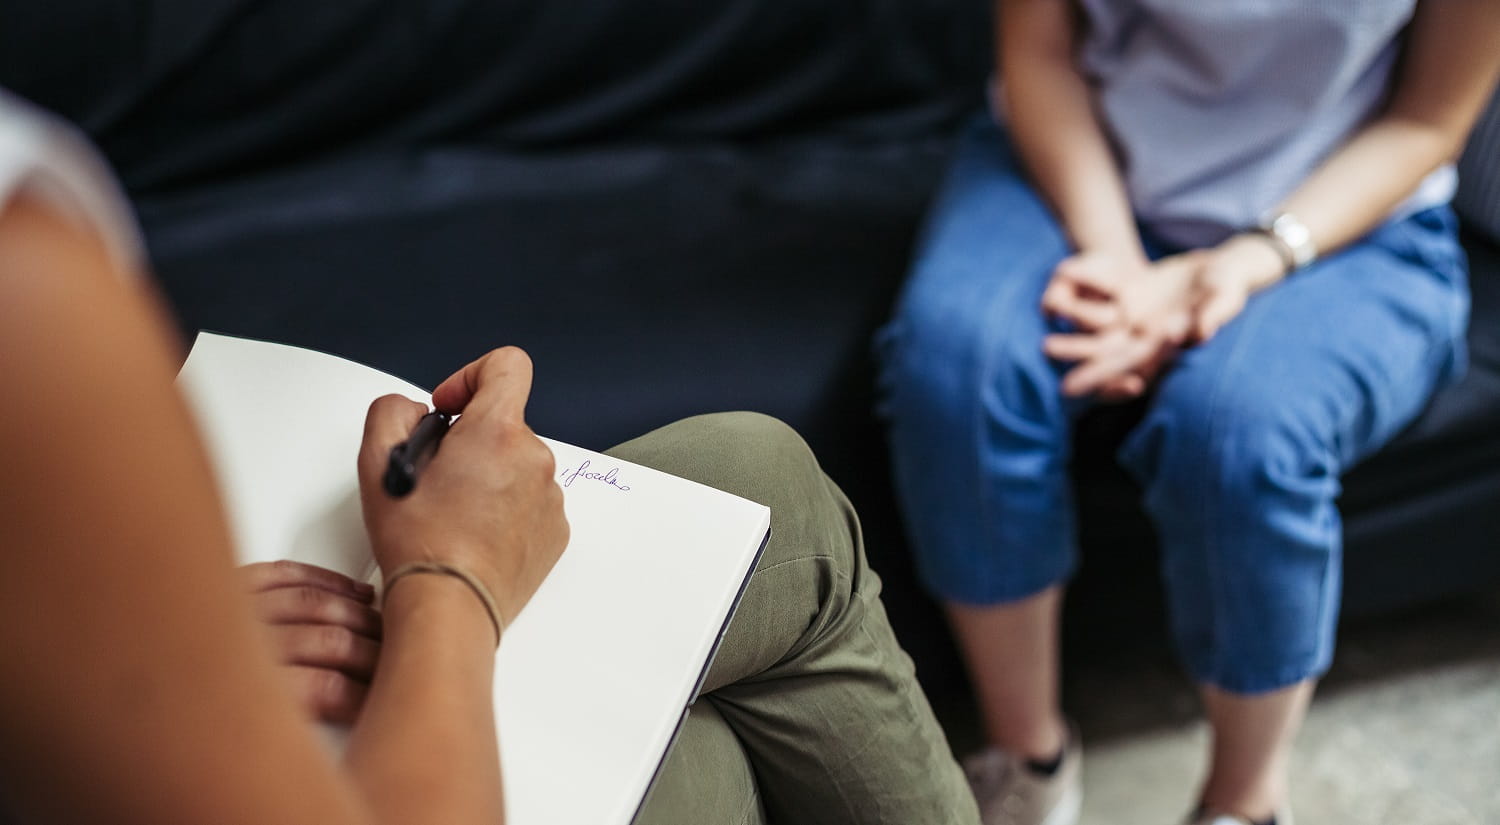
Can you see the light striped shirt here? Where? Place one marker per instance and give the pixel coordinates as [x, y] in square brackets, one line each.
[1218, 109]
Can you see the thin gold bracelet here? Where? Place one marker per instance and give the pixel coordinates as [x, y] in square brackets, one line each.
[464, 576]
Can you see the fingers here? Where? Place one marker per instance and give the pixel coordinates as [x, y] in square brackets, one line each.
[1059, 294]
[1092, 374]
[390, 420]
[1171, 328]
[328, 694]
[1217, 308]
[1132, 327]
[1122, 388]
[269, 575]
[1083, 291]
[1115, 365]
[323, 627]
[1098, 274]
[500, 381]
[303, 604]
[1091, 314]
[326, 646]
[1079, 347]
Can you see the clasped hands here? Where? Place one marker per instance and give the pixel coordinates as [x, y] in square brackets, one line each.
[1131, 317]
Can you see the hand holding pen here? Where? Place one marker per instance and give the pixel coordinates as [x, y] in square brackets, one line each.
[484, 499]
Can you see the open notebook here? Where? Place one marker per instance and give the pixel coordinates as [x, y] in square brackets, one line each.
[595, 675]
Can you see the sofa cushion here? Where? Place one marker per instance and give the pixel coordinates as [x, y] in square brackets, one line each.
[1478, 199]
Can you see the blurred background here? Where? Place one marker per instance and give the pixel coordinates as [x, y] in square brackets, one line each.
[680, 207]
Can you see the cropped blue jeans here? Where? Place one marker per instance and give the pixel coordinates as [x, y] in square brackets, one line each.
[1239, 453]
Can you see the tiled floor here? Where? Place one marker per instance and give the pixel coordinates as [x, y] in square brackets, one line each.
[1404, 731]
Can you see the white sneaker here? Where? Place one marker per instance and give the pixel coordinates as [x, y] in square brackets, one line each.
[1009, 792]
[1283, 817]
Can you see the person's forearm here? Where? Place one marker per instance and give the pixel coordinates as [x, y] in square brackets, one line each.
[490, 509]
[1363, 182]
[424, 749]
[1447, 74]
[1052, 122]
[161, 702]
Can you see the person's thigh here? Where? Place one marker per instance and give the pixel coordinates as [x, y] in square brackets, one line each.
[809, 676]
[979, 432]
[812, 561]
[706, 779]
[1243, 447]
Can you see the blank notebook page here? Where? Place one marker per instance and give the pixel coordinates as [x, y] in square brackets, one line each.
[594, 676]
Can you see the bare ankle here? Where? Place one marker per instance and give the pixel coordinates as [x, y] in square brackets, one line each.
[1040, 740]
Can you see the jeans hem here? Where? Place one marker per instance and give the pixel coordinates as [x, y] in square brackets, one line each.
[1262, 682]
[997, 590]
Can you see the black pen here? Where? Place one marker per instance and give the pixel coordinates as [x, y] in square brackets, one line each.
[410, 456]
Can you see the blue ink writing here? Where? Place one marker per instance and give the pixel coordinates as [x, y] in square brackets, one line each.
[611, 477]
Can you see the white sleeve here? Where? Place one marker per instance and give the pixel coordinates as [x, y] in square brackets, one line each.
[50, 159]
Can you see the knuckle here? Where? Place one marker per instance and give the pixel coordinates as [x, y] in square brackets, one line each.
[335, 643]
[388, 403]
[510, 357]
[506, 364]
[257, 577]
[552, 500]
[330, 690]
[380, 407]
[546, 462]
[512, 432]
[311, 601]
[505, 436]
[283, 570]
[527, 451]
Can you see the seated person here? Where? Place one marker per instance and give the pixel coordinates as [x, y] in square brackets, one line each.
[1240, 209]
[138, 687]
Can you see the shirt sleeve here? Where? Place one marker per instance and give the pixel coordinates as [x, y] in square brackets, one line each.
[45, 157]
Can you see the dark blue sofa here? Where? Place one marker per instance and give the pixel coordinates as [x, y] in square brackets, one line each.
[675, 207]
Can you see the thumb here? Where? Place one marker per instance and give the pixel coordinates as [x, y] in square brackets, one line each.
[1096, 271]
[500, 382]
[1217, 308]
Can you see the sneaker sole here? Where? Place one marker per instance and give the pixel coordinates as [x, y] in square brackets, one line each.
[1067, 810]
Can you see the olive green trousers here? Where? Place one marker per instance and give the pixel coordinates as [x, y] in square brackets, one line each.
[811, 712]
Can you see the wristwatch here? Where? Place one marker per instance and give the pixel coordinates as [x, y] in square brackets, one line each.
[1291, 238]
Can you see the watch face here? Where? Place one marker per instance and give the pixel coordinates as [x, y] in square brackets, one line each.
[1292, 232]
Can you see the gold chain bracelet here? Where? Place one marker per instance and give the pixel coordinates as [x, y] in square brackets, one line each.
[411, 568]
